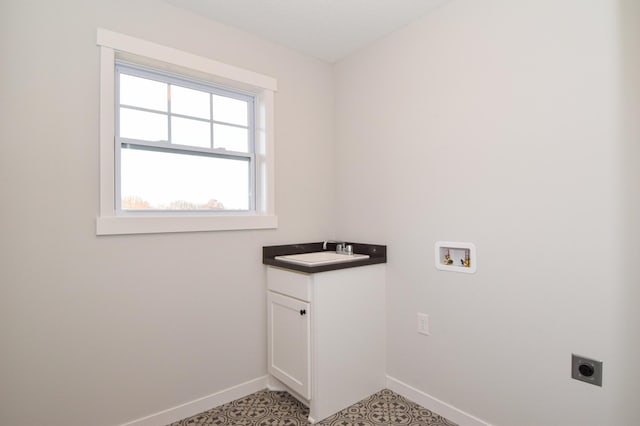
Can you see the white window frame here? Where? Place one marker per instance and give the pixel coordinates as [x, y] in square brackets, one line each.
[115, 46]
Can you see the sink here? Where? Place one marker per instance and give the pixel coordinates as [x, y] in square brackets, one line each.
[320, 258]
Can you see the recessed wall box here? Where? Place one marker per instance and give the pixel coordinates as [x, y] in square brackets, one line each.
[456, 257]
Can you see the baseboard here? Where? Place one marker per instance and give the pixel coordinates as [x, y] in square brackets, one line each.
[205, 403]
[199, 405]
[434, 404]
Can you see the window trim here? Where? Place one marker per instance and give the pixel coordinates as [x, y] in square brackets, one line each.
[114, 46]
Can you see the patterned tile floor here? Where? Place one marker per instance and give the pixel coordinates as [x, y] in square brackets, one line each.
[268, 408]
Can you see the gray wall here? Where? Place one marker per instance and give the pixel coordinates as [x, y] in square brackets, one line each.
[629, 317]
[103, 330]
[509, 125]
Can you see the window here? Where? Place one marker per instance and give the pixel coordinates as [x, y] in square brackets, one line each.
[186, 142]
[181, 145]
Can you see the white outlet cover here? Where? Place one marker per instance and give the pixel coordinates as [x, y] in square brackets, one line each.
[423, 324]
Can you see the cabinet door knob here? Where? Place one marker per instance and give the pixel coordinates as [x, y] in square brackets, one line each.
[303, 311]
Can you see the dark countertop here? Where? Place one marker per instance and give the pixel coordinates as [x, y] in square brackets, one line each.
[377, 254]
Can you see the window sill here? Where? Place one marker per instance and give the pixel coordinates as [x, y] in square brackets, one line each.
[122, 225]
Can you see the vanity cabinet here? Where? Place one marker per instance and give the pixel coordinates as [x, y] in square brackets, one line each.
[326, 335]
[290, 342]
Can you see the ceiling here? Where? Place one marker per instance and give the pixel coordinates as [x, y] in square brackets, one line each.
[326, 29]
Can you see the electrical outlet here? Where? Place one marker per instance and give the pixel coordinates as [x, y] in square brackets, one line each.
[586, 370]
[423, 324]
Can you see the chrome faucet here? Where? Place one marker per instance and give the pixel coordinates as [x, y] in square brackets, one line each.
[324, 245]
[341, 246]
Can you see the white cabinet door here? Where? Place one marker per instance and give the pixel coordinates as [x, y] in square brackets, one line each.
[289, 338]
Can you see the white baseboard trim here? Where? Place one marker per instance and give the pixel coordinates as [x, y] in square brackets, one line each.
[205, 403]
[434, 404]
[199, 405]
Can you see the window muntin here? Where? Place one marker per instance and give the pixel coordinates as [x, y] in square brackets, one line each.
[182, 145]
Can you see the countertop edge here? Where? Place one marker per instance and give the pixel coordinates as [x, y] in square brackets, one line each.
[377, 254]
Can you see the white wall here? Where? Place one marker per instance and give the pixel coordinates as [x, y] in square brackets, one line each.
[629, 317]
[499, 123]
[508, 124]
[104, 330]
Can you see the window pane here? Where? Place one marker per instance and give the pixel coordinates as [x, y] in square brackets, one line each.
[190, 132]
[230, 110]
[143, 93]
[190, 102]
[230, 138]
[143, 125]
[168, 181]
